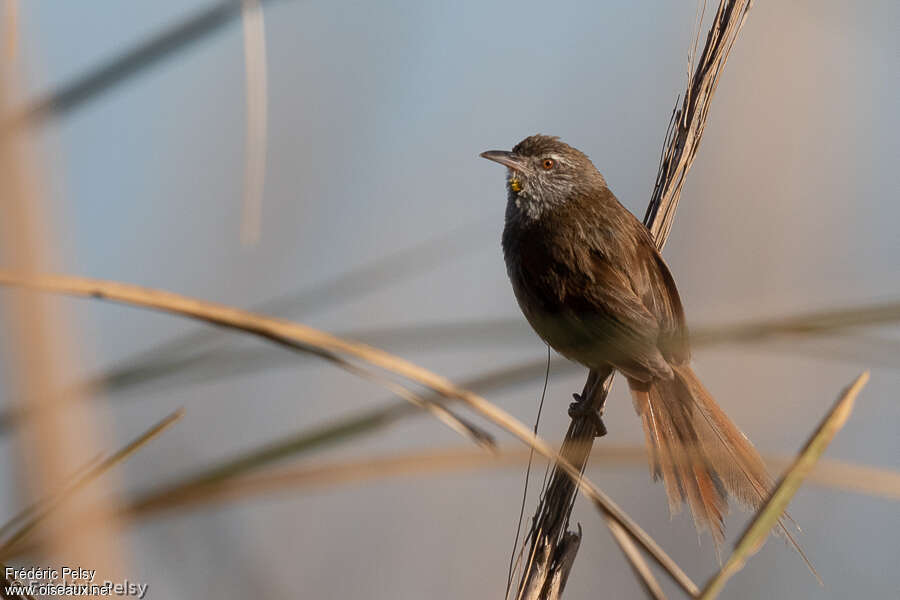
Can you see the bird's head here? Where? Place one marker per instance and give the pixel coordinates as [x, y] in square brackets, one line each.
[543, 172]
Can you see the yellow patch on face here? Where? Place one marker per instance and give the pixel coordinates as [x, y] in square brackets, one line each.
[515, 185]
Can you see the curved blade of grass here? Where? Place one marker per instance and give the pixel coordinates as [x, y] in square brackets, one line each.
[324, 345]
[180, 367]
[357, 424]
[857, 478]
[47, 508]
[640, 567]
[185, 361]
[431, 405]
[767, 517]
[835, 474]
[199, 349]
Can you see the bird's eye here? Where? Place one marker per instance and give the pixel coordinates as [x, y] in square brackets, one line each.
[547, 163]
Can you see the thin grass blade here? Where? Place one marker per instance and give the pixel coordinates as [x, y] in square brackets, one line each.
[638, 564]
[307, 339]
[767, 517]
[88, 477]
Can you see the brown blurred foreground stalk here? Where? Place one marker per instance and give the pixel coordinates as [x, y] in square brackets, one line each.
[40, 348]
[832, 474]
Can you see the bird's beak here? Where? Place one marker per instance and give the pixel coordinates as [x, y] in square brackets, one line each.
[508, 159]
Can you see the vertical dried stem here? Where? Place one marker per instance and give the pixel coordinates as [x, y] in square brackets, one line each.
[60, 437]
[552, 557]
[255, 147]
[10, 28]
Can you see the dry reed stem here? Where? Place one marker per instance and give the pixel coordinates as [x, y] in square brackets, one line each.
[493, 331]
[568, 549]
[366, 421]
[680, 148]
[640, 567]
[767, 516]
[40, 504]
[41, 357]
[193, 352]
[329, 347]
[242, 485]
[689, 121]
[802, 325]
[52, 503]
[190, 354]
[367, 278]
[256, 132]
[10, 28]
[812, 323]
[120, 68]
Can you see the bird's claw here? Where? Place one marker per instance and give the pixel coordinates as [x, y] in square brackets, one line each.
[582, 408]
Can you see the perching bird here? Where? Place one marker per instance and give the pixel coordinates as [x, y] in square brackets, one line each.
[589, 279]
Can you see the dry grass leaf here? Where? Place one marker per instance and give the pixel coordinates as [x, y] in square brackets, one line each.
[767, 517]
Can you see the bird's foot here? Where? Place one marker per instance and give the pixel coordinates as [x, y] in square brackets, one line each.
[582, 407]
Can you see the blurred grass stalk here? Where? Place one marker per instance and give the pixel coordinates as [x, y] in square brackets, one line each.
[260, 479]
[40, 351]
[39, 512]
[10, 28]
[125, 65]
[767, 517]
[240, 480]
[256, 132]
[202, 349]
[340, 352]
[190, 361]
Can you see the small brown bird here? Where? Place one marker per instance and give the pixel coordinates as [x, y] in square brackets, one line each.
[589, 279]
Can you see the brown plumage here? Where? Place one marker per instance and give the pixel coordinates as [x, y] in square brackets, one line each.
[592, 284]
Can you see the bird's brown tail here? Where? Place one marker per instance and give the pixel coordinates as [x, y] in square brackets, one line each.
[701, 456]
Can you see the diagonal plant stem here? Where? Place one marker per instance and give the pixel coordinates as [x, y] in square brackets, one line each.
[240, 480]
[247, 476]
[204, 347]
[767, 517]
[34, 507]
[638, 564]
[326, 346]
[122, 67]
[680, 148]
[195, 358]
[180, 367]
[39, 343]
[44, 509]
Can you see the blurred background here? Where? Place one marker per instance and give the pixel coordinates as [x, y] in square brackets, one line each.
[380, 222]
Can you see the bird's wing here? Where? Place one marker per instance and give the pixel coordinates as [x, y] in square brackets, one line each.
[660, 296]
[599, 299]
